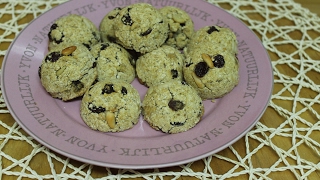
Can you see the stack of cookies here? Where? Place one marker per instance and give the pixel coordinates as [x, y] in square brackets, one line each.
[179, 66]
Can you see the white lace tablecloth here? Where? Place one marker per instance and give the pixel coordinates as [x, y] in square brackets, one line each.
[278, 23]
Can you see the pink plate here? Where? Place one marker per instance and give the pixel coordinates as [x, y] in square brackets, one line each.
[58, 125]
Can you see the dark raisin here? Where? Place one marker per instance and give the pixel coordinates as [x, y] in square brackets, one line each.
[108, 89]
[201, 69]
[95, 109]
[58, 41]
[126, 19]
[53, 57]
[94, 65]
[78, 85]
[124, 91]
[212, 29]
[174, 73]
[53, 27]
[39, 71]
[104, 46]
[188, 64]
[87, 46]
[182, 24]
[184, 82]
[175, 105]
[218, 61]
[146, 32]
[176, 123]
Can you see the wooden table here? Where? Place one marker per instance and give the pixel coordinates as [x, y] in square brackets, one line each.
[263, 158]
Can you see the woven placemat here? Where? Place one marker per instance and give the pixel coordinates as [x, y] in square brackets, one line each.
[275, 22]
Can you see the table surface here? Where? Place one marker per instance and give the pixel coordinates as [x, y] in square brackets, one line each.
[301, 162]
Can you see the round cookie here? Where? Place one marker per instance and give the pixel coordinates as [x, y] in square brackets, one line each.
[159, 66]
[113, 62]
[222, 39]
[111, 106]
[68, 71]
[140, 27]
[73, 29]
[106, 25]
[213, 74]
[181, 27]
[172, 107]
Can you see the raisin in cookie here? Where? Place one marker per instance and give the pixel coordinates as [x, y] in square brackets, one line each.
[68, 71]
[111, 106]
[113, 62]
[212, 73]
[172, 107]
[73, 29]
[222, 39]
[181, 27]
[140, 27]
[106, 25]
[159, 66]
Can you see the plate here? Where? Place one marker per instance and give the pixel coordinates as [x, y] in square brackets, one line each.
[58, 125]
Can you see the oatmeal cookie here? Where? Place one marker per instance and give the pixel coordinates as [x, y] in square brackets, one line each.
[67, 71]
[140, 27]
[159, 66]
[212, 73]
[73, 29]
[111, 106]
[172, 107]
[113, 62]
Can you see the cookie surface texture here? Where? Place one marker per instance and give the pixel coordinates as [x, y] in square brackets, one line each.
[73, 29]
[68, 71]
[140, 27]
[172, 107]
[159, 66]
[111, 106]
[222, 39]
[213, 74]
[113, 62]
[106, 26]
[181, 26]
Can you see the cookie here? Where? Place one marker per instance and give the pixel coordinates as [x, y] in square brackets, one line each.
[181, 26]
[212, 73]
[172, 107]
[140, 27]
[106, 26]
[73, 29]
[67, 71]
[222, 39]
[159, 66]
[111, 106]
[113, 62]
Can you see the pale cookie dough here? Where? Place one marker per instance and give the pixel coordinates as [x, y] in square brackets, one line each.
[111, 106]
[113, 62]
[106, 25]
[172, 107]
[140, 27]
[222, 39]
[73, 29]
[159, 66]
[181, 27]
[68, 71]
[213, 74]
